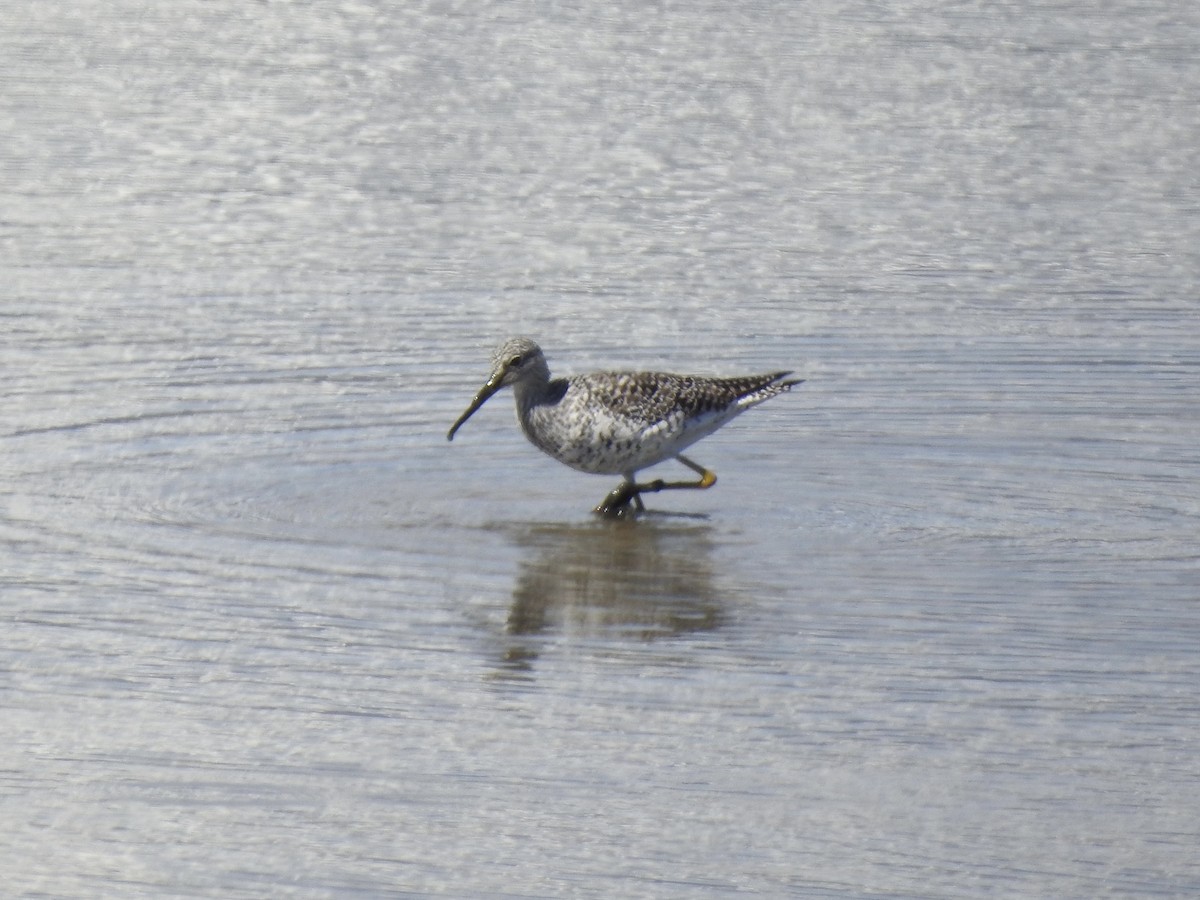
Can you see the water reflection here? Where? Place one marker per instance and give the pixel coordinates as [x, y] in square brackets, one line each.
[642, 581]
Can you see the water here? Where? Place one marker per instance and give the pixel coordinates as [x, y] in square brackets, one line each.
[267, 634]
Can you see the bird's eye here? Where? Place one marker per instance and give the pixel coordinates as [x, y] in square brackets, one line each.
[515, 362]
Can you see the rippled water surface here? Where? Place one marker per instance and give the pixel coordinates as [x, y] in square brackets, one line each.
[266, 633]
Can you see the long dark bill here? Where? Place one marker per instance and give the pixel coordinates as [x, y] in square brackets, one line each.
[493, 385]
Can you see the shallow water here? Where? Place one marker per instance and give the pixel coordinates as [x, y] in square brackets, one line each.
[266, 633]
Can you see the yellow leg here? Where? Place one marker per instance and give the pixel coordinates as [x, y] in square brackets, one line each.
[707, 478]
[616, 504]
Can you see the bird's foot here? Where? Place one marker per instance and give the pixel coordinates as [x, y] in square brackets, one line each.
[622, 502]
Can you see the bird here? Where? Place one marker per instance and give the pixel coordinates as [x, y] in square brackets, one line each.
[618, 423]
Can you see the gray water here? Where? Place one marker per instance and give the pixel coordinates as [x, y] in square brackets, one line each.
[265, 633]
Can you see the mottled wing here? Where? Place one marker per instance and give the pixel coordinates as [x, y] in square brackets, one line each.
[648, 401]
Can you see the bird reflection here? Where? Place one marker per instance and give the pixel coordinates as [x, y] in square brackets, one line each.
[612, 579]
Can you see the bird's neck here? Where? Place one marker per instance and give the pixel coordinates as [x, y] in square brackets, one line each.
[538, 392]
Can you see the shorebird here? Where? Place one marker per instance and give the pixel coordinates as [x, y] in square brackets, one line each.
[618, 423]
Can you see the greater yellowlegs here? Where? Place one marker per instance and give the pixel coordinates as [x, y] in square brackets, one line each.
[618, 423]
